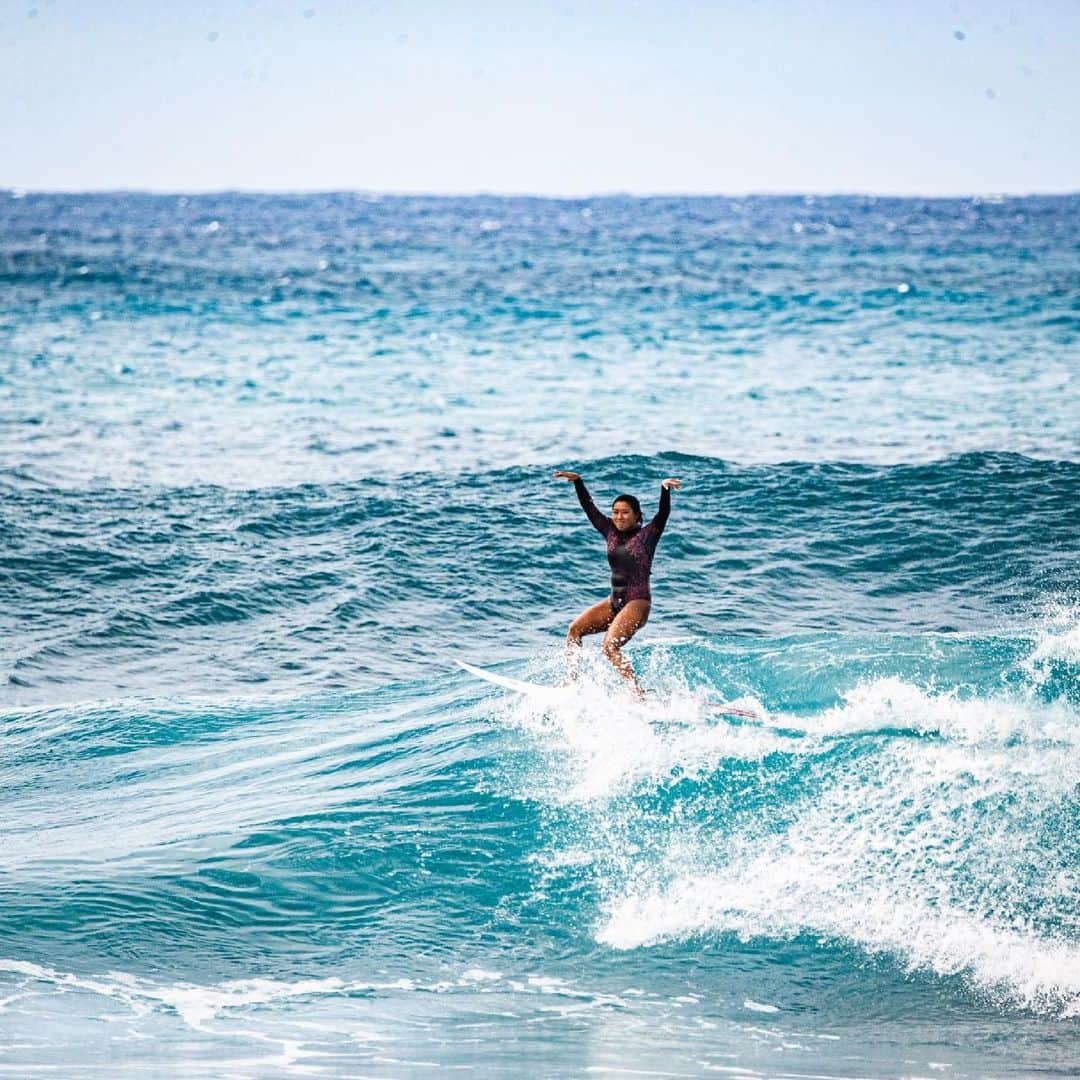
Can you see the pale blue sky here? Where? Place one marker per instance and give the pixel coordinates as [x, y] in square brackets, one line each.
[554, 98]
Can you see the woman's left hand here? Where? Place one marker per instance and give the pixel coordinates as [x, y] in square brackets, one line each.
[670, 482]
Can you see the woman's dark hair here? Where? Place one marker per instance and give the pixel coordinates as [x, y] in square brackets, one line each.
[631, 502]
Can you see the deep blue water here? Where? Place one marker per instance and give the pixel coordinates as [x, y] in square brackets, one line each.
[270, 465]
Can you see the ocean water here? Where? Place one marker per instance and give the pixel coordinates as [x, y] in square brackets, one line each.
[269, 465]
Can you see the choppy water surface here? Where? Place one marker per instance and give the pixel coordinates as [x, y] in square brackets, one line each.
[269, 465]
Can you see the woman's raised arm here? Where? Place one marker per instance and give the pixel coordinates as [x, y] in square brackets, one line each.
[656, 526]
[601, 523]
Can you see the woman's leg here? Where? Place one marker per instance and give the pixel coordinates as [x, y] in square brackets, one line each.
[633, 616]
[594, 620]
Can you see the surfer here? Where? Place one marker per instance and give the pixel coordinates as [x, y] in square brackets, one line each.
[630, 546]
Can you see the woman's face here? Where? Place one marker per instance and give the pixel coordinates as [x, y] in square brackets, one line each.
[622, 514]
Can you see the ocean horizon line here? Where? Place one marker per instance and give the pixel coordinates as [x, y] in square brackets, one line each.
[21, 191]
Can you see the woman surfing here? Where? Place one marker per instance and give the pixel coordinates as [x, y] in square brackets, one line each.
[630, 548]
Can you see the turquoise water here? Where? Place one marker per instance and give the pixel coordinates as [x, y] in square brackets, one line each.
[269, 465]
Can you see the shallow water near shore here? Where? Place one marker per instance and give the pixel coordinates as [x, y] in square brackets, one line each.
[270, 465]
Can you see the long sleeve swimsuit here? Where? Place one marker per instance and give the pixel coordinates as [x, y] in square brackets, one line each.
[630, 553]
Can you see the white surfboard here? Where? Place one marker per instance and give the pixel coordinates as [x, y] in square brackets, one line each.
[552, 694]
[517, 686]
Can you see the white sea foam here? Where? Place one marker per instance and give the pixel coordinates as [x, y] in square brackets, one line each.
[1056, 643]
[759, 1006]
[199, 1005]
[611, 743]
[891, 703]
[928, 850]
[196, 1005]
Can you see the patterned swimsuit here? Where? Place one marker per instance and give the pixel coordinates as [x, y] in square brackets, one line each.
[630, 553]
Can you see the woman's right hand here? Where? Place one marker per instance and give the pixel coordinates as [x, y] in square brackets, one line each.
[562, 474]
